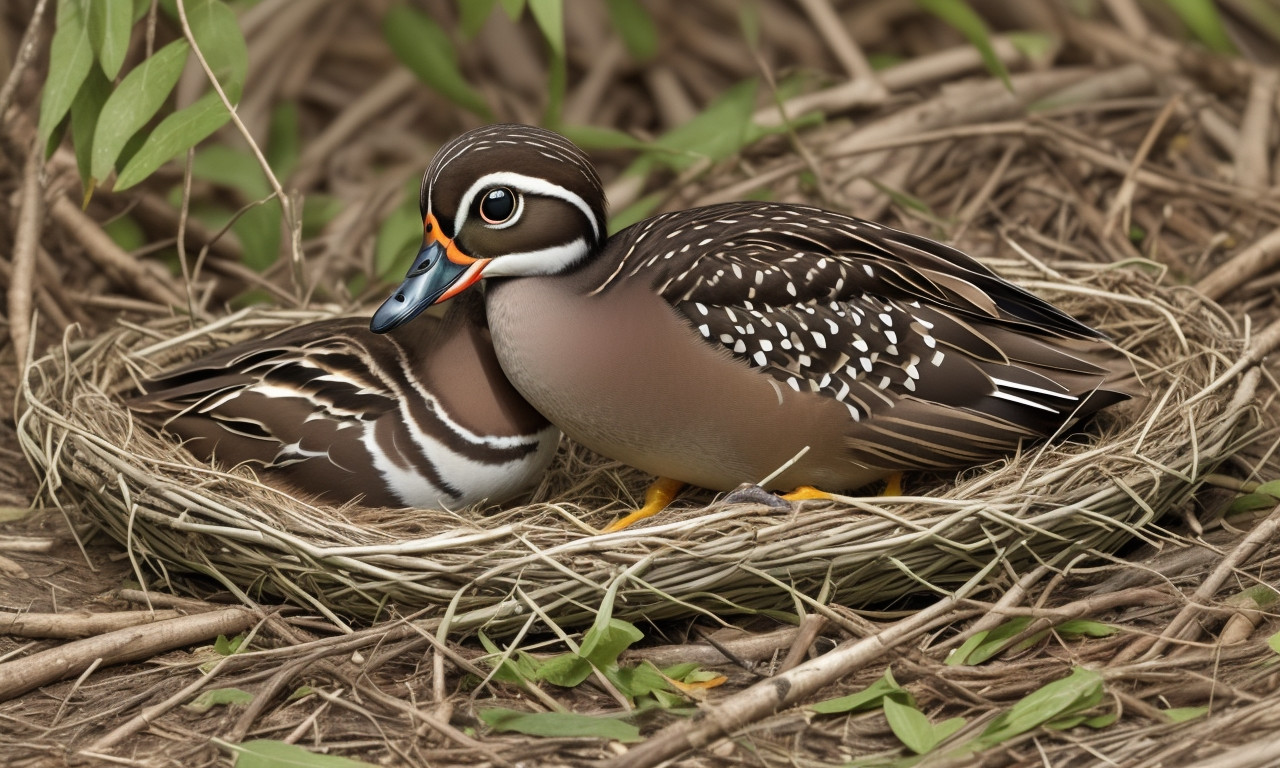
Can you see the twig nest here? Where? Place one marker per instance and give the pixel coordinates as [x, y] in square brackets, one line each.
[542, 561]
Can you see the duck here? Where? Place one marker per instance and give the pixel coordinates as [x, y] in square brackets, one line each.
[744, 342]
[422, 417]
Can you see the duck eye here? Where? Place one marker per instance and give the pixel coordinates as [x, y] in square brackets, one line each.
[497, 205]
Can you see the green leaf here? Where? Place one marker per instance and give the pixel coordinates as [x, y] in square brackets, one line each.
[749, 23]
[1183, 714]
[472, 15]
[513, 8]
[85, 111]
[519, 669]
[232, 168]
[958, 15]
[1103, 720]
[1273, 642]
[868, 698]
[719, 131]
[265, 753]
[225, 646]
[284, 144]
[636, 28]
[596, 137]
[217, 33]
[559, 725]
[642, 680]
[549, 14]
[174, 135]
[258, 229]
[1201, 17]
[1034, 46]
[1086, 628]
[910, 726]
[126, 232]
[566, 670]
[109, 22]
[603, 643]
[983, 645]
[1264, 15]
[1264, 496]
[1078, 691]
[944, 729]
[960, 656]
[301, 693]
[134, 102]
[424, 47]
[399, 237]
[318, 209]
[218, 697]
[70, 58]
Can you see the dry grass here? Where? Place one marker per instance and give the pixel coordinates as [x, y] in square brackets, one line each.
[544, 562]
[1137, 186]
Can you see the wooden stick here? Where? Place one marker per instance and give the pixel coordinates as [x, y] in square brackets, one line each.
[25, 245]
[1260, 258]
[768, 696]
[1177, 629]
[69, 626]
[132, 644]
[104, 253]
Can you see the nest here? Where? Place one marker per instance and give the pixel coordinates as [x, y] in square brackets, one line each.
[543, 562]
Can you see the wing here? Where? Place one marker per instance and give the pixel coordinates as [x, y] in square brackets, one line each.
[942, 361]
[278, 400]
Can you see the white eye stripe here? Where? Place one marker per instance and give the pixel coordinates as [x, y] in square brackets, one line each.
[545, 261]
[521, 183]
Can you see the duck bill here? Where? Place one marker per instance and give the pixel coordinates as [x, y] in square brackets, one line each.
[439, 272]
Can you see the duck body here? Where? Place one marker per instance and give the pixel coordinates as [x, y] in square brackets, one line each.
[714, 345]
[423, 417]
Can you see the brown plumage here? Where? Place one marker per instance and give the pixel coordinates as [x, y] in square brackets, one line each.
[423, 417]
[712, 345]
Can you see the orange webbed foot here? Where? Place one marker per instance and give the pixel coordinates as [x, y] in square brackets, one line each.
[656, 498]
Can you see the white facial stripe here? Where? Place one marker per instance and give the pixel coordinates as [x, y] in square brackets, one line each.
[526, 184]
[546, 261]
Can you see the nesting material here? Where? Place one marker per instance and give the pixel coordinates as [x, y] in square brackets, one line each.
[542, 562]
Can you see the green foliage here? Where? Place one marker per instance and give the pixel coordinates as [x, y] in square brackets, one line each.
[914, 729]
[125, 232]
[1273, 642]
[85, 113]
[108, 124]
[636, 27]
[870, 697]
[958, 15]
[472, 14]
[1081, 690]
[1183, 714]
[644, 684]
[217, 33]
[134, 102]
[549, 15]
[108, 24]
[424, 47]
[1265, 496]
[70, 58]
[265, 753]
[218, 697]
[1204, 23]
[987, 643]
[226, 646]
[559, 724]
[399, 235]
